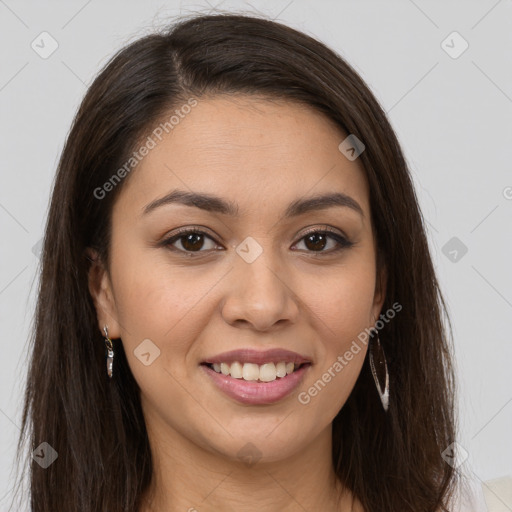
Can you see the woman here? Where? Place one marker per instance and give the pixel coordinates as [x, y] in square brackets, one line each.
[237, 307]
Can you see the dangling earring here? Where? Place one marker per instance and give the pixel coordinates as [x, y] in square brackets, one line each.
[378, 364]
[110, 352]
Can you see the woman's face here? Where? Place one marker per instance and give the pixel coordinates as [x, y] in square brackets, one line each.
[254, 278]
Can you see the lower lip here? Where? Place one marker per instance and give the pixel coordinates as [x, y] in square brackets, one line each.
[254, 392]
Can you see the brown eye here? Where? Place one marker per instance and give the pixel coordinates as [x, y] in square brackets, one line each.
[317, 241]
[191, 241]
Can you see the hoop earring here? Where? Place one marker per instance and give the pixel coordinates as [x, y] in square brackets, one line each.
[378, 364]
[110, 352]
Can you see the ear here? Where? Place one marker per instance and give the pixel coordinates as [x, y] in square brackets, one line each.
[380, 291]
[102, 295]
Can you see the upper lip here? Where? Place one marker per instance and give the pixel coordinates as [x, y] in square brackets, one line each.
[248, 355]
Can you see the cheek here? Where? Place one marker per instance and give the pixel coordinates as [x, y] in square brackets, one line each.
[170, 305]
[151, 295]
[342, 302]
[159, 309]
[342, 311]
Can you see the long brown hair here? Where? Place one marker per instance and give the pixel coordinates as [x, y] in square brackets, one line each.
[391, 461]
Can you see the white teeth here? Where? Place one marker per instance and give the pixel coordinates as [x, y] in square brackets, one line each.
[268, 372]
[250, 371]
[236, 370]
[281, 369]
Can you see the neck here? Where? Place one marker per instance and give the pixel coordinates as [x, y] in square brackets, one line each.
[192, 478]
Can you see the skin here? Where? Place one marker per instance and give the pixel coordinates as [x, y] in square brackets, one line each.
[262, 154]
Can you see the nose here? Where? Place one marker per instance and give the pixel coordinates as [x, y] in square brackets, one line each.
[258, 295]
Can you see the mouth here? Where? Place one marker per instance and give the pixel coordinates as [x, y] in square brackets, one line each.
[264, 388]
[252, 372]
[254, 376]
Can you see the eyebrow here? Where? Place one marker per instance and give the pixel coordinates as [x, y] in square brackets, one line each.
[217, 204]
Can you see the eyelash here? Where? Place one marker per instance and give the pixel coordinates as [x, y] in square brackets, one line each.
[342, 241]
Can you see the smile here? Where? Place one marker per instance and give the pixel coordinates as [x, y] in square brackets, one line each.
[253, 384]
[266, 372]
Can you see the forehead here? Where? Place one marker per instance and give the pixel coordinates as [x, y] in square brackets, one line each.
[248, 150]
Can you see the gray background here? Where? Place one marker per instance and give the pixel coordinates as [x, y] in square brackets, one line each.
[453, 119]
